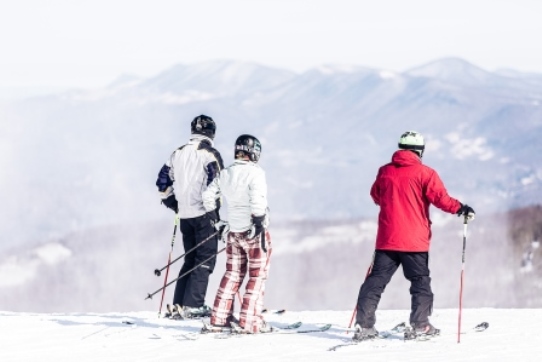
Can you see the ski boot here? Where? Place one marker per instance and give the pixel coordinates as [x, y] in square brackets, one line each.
[422, 332]
[194, 312]
[362, 334]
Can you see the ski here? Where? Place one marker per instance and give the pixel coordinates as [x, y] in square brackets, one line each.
[423, 337]
[276, 331]
[399, 328]
[208, 328]
[323, 328]
[279, 311]
[218, 332]
[481, 327]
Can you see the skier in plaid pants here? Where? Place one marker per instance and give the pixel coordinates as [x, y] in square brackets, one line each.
[248, 248]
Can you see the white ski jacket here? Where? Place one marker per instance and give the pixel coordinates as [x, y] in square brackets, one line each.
[188, 172]
[244, 187]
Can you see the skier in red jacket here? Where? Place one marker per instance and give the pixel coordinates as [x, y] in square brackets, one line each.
[404, 189]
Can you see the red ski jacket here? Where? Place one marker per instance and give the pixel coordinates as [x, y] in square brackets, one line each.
[404, 189]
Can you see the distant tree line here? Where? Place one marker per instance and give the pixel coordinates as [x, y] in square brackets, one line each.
[525, 224]
[525, 232]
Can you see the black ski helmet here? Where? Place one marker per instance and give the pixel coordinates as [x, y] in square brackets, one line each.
[412, 140]
[203, 125]
[249, 145]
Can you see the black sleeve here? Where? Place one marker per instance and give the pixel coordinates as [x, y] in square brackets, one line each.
[164, 181]
[213, 168]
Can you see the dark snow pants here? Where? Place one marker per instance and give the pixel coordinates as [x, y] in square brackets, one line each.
[190, 290]
[415, 269]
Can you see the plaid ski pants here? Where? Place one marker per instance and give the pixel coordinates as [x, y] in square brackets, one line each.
[243, 255]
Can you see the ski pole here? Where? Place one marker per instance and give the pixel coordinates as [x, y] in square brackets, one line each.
[356, 307]
[352, 319]
[176, 222]
[157, 272]
[149, 296]
[465, 222]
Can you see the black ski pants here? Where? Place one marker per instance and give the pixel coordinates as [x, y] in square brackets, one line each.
[415, 269]
[190, 290]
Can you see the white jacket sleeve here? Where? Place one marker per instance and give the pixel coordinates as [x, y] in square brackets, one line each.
[211, 194]
[258, 194]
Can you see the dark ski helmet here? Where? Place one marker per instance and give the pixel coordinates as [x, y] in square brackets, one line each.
[203, 125]
[411, 140]
[249, 145]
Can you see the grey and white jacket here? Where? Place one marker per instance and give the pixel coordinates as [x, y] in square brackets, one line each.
[188, 172]
[244, 187]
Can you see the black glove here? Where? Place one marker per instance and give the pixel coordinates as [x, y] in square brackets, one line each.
[213, 217]
[259, 230]
[221, 228]
[466, 210]
[258, 225]
[171, 203]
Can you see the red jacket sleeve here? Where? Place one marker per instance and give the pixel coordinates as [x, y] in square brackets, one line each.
[437, 195]
[375, 190]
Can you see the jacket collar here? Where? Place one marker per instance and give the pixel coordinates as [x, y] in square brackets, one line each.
[243, 162]
[405, 158]
[195, 138]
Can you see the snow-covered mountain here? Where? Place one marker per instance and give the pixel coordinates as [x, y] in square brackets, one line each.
[80, 214]
[90, 157]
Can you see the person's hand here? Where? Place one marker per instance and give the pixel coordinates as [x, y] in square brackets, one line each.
[466, 210]
[257, 227]
[171, 203]
[213, 217]
[223, 228]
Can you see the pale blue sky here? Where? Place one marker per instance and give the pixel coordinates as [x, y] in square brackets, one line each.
[67, 43]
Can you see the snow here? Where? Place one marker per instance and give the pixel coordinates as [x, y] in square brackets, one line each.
[463, 147]
[453, 70]
[338, 68]
[184, 97]
[513, 334]
[386, 74]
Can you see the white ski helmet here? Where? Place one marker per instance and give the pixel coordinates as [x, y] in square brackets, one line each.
[412, 140]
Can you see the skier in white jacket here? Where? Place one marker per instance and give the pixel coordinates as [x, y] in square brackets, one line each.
[181, 181]
[248, 249]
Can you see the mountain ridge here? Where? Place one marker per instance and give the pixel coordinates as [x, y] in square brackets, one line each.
[324, 136]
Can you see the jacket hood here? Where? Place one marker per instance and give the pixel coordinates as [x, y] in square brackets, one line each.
[403, 158]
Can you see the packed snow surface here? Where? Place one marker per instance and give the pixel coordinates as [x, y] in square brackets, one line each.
[513, 335]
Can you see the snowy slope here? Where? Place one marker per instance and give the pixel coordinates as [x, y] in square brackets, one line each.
[513, 334]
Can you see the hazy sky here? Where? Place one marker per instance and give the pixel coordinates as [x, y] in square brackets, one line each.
[65, 43]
